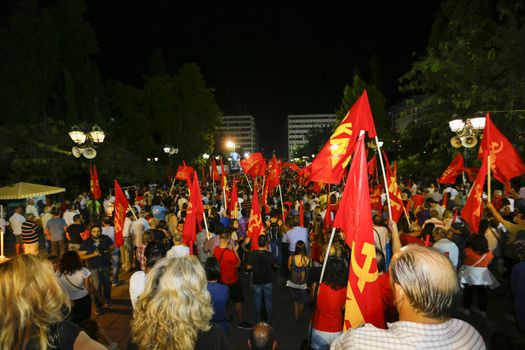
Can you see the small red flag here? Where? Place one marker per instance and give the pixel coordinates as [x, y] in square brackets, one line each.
[254, 165]
[505, 163]
[301, 214]
[327, 222]
[363, 298]
[214, 171]
[234, 200]
[394, 193]
[194, 213]
[255, 223]
[329, 165]
[94, 184]
[452, 171]
[372, 166]
[473, 209]
[274, 174]
[304, 175]
[184, 172]
[121, 207]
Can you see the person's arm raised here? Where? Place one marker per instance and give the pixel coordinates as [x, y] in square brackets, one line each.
[396, 243]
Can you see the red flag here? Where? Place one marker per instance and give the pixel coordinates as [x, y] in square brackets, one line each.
[255, 223]
[375, 199]
[304, 175]
[445, 199]
[234, 200]
[264, 198]
[471, 173]
[473, 209]
[121, 207]
[505, 163]
[292, 166]
[301, 214]
[394, 193]
[254, 165]
[274, 174]
[452, 171]
[327, 222]
[94, 185]
[363, 298]
[184, 172]
[328, 166]
[193, 213]
[372, 166]
[318, 187]
[214, 171]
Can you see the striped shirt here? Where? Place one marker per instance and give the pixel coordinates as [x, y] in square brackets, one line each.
[403, 335]
[29, 233]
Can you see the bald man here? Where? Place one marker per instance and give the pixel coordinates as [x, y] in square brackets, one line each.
[262, 337]
[424, 285]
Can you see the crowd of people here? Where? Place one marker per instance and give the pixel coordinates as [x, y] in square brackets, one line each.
[186, 297]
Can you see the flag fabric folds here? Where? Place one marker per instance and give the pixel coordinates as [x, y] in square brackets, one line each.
[328, 166]
[304, 175]
[363, 298]
[214, 171]
[274, 174]
[234, 200]
[254, 165]
[372, 166]
[394, 192]
[121, 207]
[94, 185]
[184, 172]
[505, 163]
[453, 170]
[255, 224]
[194, 213]
[473, 209]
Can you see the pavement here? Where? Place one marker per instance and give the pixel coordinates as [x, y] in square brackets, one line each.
[115, 322]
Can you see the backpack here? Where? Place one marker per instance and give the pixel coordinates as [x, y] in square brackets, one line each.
[273, 231]
[298, 274]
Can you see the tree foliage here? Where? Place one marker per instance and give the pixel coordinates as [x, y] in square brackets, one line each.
[473, 62]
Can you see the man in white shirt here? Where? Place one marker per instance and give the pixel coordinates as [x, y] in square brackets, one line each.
[445, 245]
[69, 214]
[296, 234]
[138, 227]
[424, 286]
[15, 221]
[178, 250]
[31, 209]
[126, 249]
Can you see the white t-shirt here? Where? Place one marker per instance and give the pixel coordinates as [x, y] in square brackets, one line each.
[178, 251]
[74, 284]
[137, 283]
[110, 232]
[381, 238]
[138, 227]
[16, 221]
[448, 248]
[68, 216]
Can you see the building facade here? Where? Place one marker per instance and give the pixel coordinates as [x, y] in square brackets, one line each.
[241, 130]
[299, 125]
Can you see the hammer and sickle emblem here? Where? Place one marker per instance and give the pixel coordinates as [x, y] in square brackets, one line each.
[363, 272]
[477, 194]
[338, 146]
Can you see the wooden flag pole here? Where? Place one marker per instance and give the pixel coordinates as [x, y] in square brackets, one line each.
[248, 180]
[132, 212]
[406, 215]
[282, 205]
[488, 179]
[327, 255]
[384, 179]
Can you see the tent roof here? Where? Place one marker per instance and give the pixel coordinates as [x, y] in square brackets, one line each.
[23, 190]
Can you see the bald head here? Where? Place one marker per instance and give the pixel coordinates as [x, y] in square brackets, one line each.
[427, 279]
[262, 337]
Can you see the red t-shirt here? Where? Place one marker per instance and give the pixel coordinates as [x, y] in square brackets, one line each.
[228, 262]
[328, 315]
[406, 238]
[417, 200]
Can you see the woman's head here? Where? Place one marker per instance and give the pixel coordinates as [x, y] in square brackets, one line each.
[70, 263]
[300, 248]
[36, 301]
[213, 269]
[175, 305]
[336, 275]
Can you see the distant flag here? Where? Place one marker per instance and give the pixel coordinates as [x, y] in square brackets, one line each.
[473, 209]
[274, 174]
[121, 207]
[301, 213]
[453, 170]
[505, 163]
[94, 184]
[214, 171]
[254, 165]
[255, 225]
[194, 213]
[363, 298]
[394, 192]
[234, 200]
[328, 166]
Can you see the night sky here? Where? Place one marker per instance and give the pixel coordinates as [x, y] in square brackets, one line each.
[265, 59]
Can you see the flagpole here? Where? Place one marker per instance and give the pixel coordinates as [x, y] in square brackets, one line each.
[384, 178]
[488, 179]
[282, 205]
[327, 255]
[132, 211]
[248, 180]
[406, 215]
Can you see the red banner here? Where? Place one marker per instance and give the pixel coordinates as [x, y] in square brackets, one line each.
[184, 172]
[194, 214]
[234, 200]
[473, 209]
[452, 171]
[363, 298]
[274, 174]
[94, 185]
[254, 165]
[394, 192]
[255, 224]
[121, 207]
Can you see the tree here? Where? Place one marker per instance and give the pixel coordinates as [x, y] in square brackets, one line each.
[473, 62]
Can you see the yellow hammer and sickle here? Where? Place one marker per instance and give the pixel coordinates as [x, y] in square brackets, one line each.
[363, 273]
[477, 194]
[339, 145]
[353, 315]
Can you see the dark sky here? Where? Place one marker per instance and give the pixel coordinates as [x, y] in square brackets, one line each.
[263, 58]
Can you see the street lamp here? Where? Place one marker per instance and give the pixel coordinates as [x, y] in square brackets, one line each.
[206, 156]
[170, 150]
[466, 131]
[86, 141]
[246, 154]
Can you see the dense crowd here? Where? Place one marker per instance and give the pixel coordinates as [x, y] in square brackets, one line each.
[187, 297]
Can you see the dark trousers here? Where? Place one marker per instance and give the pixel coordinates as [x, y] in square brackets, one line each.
[468, 297]
[81, 309]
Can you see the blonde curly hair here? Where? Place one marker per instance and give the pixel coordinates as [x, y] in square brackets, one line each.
[32, 301]
[174, 307]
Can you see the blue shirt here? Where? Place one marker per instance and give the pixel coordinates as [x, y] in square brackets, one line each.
[219, 299]
[295, 235]
[56, 229]
[89, 246]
